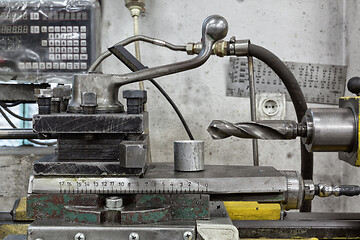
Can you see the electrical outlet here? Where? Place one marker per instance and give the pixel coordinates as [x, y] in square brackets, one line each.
[270, 106]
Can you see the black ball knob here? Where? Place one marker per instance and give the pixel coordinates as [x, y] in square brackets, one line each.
[354, 85]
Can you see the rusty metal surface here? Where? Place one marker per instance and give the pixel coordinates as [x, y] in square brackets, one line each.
[63, 206]
[138, 209]
[138, 215]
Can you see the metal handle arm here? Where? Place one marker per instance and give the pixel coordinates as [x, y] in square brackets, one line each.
[214, 29]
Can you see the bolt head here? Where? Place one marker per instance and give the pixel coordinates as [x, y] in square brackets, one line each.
[58, 92]
[114, 203]
[43, 93]
[135, 94]
[134, 236]
[88, 99]
[79, 236]
[187, 235]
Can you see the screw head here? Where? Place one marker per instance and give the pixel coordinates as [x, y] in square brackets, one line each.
[79, 236]
[134, 236]
[114, 203]
[187, 235]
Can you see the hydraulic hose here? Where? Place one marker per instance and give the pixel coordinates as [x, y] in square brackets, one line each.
[298, 100]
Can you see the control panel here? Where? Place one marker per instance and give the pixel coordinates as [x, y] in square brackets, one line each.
[45, 38]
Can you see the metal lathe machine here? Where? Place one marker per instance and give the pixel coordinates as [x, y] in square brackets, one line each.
[100, 183]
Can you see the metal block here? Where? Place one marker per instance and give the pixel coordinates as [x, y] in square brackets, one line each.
[134, 154]
[91, 123]
[103, 149]
[19, 92]
[51, 166]
[219, 226]
[56, 230]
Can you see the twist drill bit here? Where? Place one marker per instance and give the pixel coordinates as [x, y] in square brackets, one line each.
[269, 130]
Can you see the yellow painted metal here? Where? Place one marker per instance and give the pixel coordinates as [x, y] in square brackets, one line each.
[253, 210]
[357, 163]
[9, 229]
[20, 211]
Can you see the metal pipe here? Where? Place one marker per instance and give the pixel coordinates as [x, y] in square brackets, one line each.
[214, 29]
[137, 47]
[19, 133]
[132, 39]
[253, 108]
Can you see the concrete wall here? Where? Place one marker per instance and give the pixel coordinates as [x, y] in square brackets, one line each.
[15, 168]
[305, 31]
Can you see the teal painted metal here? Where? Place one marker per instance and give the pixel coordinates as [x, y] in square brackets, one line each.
[138, 209]
[81, 208]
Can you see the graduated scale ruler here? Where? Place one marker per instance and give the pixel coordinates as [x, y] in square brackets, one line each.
[320, 83]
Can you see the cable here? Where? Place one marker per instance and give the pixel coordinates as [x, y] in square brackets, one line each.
[30, 140]
[183, 121]
[135, 65]
[14, 114]
[129, 40]
[7, 119]
[13, 104]
[42, 143]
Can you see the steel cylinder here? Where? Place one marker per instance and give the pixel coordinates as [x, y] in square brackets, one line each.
[329, 129]
[189, 155]
[294, 190]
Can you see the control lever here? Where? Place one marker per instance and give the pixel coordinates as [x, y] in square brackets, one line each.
[107, 86]
[354, 85]
[214, 29]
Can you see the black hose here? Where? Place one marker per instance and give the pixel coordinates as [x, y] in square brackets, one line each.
[14, 104]
[176, 109]
[14, 114]
[298, 100]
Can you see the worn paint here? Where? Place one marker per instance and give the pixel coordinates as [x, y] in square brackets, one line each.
[12, 229]
[76, 207]
[20, 211]
[253, 210]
